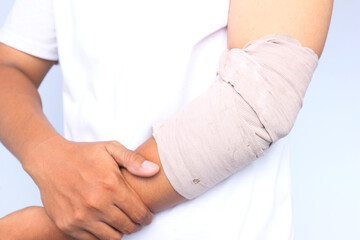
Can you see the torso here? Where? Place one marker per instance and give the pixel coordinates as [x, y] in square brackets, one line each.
[128, 64]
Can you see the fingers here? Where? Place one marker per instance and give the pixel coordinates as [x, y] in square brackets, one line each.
[139, 215]
[112, 225]
[127, 200]
[132, 161]
[103, 232]
[100, 231]
[92, 190]
[84, 235]
[121, 222]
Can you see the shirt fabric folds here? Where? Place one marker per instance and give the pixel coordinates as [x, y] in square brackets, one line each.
[129, 64]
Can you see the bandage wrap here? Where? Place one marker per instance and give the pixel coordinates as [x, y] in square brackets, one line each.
[255, 103]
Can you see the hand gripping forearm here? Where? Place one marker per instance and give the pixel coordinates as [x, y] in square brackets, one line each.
[79, 182]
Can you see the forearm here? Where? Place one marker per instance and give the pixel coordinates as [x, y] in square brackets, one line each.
[156, 192]
[275, 47]
[21, 225]
[23, 125]
[292, 17]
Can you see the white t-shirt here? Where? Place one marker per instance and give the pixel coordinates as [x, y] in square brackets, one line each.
[128, 64]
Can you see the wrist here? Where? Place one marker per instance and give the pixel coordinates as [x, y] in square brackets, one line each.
[33, 157]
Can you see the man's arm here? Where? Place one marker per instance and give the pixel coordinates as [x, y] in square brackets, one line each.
[248, 20]
[80, 183]
[21, 75]
[156, 192]
[307, 21]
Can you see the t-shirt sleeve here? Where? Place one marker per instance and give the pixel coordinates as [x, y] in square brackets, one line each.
[30, 28]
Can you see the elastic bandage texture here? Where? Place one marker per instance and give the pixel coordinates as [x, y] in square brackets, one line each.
[255, 102]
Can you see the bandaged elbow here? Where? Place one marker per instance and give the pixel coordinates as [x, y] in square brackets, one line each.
[253, 104]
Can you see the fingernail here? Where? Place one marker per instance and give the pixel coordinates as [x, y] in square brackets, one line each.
[149, 165]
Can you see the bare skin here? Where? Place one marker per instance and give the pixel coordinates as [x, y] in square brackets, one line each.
[85, 197]
[307, 21]
[19, 224]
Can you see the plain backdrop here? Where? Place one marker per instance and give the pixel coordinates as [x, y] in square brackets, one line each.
[325, 144]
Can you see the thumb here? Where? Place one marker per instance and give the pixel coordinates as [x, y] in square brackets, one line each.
[132, 161]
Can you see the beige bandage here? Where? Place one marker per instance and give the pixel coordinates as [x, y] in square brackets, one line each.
[254, 104]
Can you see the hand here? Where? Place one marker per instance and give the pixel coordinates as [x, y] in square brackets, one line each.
[83, 190]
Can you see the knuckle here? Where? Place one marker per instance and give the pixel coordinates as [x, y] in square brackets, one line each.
[132, 159]
[115, 143]
[77, 218]
[121, 199]
[129, 228]
[109, 183]
[64, 226]
[93, 201]
[140, 215]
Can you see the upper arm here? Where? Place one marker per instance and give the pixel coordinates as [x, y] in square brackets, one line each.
[28, 37]
[306, 20]
[34, 68]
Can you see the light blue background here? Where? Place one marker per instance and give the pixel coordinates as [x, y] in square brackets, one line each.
[325, 141]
